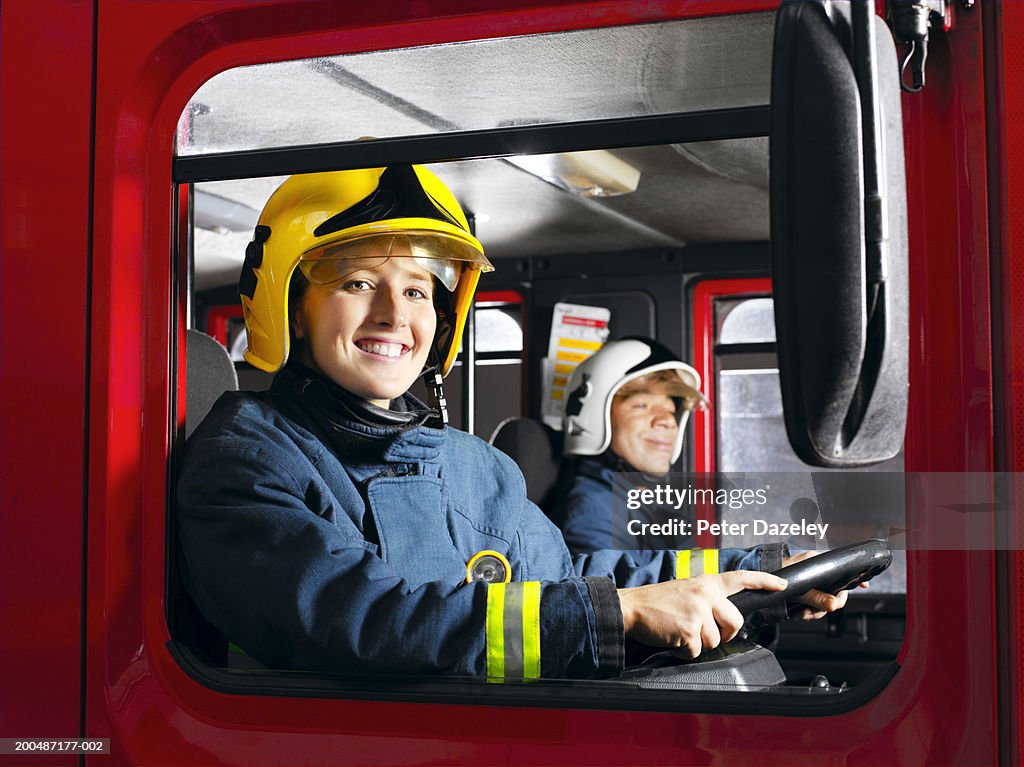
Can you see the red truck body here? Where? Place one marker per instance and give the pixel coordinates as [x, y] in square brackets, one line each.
[92, 94]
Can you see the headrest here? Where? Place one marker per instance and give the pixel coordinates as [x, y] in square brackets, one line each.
[532, 446]
[209, 373]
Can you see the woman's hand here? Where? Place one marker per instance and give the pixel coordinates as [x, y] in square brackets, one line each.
[692, 614]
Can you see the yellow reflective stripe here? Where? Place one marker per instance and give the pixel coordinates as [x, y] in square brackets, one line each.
[690, 566]
[494, 632]
[531, 630]
[710, 561]
[682, 564]
[512, 631]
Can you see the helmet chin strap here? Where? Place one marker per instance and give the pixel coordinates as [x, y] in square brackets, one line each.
[432, 377]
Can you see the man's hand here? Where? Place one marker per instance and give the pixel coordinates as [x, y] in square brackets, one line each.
[693, 614]
[819, 603]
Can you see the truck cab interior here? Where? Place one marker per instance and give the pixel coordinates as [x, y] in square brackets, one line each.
[625, 168]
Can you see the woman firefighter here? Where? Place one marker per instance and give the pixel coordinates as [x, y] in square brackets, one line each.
[336, 522]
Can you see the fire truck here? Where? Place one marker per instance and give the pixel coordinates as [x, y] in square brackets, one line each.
[819, 203]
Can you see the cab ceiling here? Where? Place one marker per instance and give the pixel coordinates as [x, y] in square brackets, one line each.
[688, 192]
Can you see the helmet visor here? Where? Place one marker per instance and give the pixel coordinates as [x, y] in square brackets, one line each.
[677, 383]
[443, 256]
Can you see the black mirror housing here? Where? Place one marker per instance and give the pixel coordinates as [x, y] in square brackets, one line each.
[839, 233]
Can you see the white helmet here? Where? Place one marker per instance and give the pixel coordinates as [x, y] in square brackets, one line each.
[586, 421]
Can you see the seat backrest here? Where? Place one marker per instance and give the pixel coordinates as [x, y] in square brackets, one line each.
[536, 450]
[209, 372]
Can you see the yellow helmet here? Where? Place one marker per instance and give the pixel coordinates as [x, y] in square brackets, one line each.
[312, 218]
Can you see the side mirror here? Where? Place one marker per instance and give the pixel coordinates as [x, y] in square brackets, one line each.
[839, 232]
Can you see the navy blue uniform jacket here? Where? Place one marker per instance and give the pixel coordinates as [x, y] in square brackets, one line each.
[313, 540]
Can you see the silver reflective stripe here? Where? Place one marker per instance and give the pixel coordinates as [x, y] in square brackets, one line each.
[513, 631]
[696, 562]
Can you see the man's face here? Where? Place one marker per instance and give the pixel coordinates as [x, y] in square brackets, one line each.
[371, 331]
[644, 428]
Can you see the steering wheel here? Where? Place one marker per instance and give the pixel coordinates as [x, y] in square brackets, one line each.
[742, 664]
[831, 571]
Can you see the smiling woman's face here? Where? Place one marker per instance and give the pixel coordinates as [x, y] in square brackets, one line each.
[644, 428]
[370, 332]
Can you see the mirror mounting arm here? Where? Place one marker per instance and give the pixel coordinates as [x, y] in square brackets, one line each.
[911, 22]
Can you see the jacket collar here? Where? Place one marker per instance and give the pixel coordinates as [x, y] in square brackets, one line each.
[355, 430]
[610, 465]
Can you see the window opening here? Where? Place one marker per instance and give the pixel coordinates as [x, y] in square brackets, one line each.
[692, 128]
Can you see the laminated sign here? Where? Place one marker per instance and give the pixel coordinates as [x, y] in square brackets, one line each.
[576, 332]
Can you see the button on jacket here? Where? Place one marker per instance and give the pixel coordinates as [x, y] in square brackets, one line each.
[315, 540]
